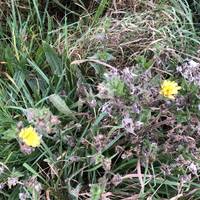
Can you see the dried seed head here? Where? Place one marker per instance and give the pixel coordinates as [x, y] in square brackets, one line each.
[12, 181]
[54, 120]
[193, 168]
[26, 149]
[107, 164]
[100, 142]
[136, 108]
[103, 91]
[34, 184]
[85, 142]
[40, 123]
[92, 103]
[78, 126]
[71, 141]
[116, 180]
[2, 185]
[128, 77]
[185, 178]
[42, 119]
[30, 114]
[112, 74]
[75, 158]
[23, 196]
[190, 71]
[180, 101]
[128, 125]
[107, 108]
[138, 125]
[100, 36]
[166, 170]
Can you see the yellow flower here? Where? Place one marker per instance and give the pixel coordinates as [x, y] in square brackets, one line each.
[169, 89]
[30, 137]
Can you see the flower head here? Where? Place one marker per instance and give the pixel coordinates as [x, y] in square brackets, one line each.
[12, 181]
[30, 137]
[169, 89]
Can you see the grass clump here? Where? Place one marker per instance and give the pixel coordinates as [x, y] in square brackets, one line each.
[84, 113]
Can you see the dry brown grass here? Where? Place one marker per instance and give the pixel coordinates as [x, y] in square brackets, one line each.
[130, 34]
[134, 5]
[3, 9]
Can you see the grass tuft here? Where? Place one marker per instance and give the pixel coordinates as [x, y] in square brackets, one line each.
[87, 76]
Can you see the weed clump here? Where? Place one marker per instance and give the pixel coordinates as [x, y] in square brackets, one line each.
[103, 105]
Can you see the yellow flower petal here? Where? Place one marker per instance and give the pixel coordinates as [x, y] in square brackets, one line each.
[169, 89]
[30, 137]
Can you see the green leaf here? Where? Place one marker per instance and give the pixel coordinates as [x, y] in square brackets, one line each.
[102, 56]
[100, 10]
[182, 117]
[38, 70]
[9, 134]
[60, 105]
[145, 115]
[96, 191]
[53, 60]
[19, 78]
[30, 169]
